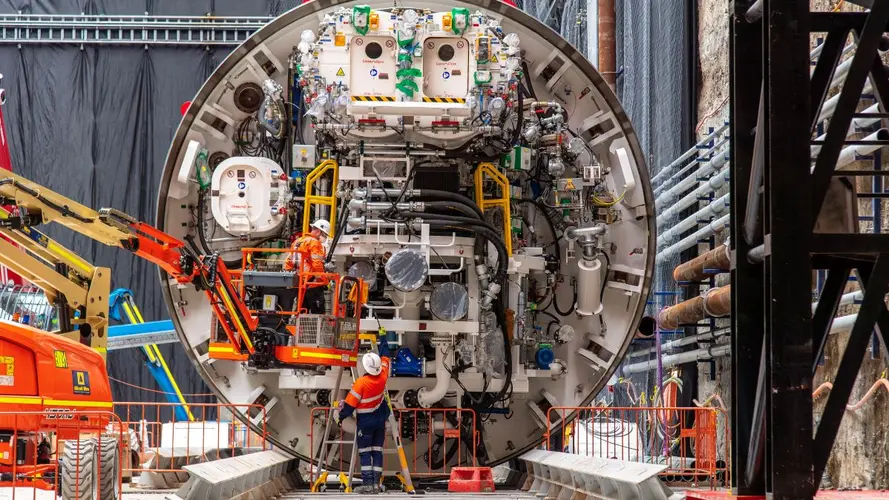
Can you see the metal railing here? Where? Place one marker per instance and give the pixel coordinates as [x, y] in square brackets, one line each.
[156, 441]
[692, 442]
[48, 451]
[435, 440]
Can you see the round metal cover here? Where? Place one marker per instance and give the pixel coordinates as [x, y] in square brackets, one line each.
[407, 270]
[366, 272]
[449, 302]
[248, 97]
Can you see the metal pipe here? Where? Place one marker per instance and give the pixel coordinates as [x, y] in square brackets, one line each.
[684, 341]
[830, 105]
[713, 184]
[378, 206]
[607, 52]
[703, 158]
[846, 299]
[714, 303]
[848, 154]
[597, 229]
[688, 154]
[714, 227]
[817, 51]
[857, 124]
[712, 209]
[672, 360]
[685, 184]
[428, 397]
[705, 265]
[592, 23]
[754, 13]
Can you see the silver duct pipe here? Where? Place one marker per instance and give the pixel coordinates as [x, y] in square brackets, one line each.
[830, 105]
[714, 227]
[857, 124]
[709, 186]
[688, 154]
[846, 299]
[703, 158]
[848, 154]
[674, 344]
[713, 209]
[685, 184]
[672, 360]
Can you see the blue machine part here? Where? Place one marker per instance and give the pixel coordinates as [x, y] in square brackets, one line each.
[544, 356]
[406, 364]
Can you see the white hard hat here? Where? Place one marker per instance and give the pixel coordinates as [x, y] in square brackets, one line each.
[372, 363]
[323, 225]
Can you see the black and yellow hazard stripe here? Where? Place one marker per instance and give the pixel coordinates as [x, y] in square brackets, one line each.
[372, 98]
[446, 100]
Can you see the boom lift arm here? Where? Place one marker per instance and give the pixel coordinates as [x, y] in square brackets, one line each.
[38, 205]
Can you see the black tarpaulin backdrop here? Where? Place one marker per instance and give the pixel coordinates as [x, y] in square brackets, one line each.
[94, 124]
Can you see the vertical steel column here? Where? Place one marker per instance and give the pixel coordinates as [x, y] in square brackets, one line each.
[745, 44]
[788, 266]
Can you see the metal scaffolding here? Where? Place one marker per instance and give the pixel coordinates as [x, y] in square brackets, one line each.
[24, 29]
[776, 200]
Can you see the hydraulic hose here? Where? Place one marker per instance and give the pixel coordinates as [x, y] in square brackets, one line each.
[466, 210]
[449, 196]
[479, 228]
[339, 231]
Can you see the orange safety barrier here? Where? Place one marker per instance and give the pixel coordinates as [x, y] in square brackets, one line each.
[692, 442]
[30, 460]
[156, 441]
[435, 440]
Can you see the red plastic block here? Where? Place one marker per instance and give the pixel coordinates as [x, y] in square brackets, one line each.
[471, 480]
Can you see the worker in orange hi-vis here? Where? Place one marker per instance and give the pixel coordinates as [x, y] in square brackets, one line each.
[367, 401]
[310, 252]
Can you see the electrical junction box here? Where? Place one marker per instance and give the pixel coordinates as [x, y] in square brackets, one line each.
[248, 197]
[373, 67]
[518, 159]
[446, 67]
[304, 156]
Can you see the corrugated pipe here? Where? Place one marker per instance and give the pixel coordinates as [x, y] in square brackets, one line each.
[705, 265]
[714, 227]
[684, 341]
[705, 354]
[714, 303]
[685, 184]
[711, 185]
[688, 154]
[705, 157]
[713, 209]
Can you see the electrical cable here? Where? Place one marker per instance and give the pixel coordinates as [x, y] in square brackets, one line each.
[571, 307]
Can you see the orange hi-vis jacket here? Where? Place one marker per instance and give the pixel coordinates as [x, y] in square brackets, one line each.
[366, 397]
[310, 253]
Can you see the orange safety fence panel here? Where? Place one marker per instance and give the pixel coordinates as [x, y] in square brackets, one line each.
[685, 439]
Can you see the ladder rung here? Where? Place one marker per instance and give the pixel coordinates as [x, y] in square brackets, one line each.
[341, 441]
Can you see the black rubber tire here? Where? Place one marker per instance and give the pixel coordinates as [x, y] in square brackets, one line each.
[79, 470]
[109, 465]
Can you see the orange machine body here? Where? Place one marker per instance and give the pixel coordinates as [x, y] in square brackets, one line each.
[45, 379]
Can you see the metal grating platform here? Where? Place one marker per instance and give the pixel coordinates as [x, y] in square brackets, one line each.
[429, 495]
[127, 30]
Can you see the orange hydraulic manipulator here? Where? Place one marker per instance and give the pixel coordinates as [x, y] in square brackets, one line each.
[187, 266]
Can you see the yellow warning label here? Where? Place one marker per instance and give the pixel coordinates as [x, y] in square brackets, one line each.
[61, 359]
[494, 58]
[9, 361]
[294, 352]
[372, 98]
[340, 72]
[449, 100]
[569, 184]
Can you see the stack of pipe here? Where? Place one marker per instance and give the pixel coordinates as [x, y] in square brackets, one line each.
[705, 265]
[714, 303]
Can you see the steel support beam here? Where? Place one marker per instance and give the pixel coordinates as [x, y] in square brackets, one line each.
[872, 307]
[747, 279]
[787, 267]
[866, 53]
[828, 303]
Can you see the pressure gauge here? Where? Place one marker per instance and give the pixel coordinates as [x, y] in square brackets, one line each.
[496, 107]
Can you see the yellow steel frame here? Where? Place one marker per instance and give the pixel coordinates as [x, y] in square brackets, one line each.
[314, 199]
[489, 170]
